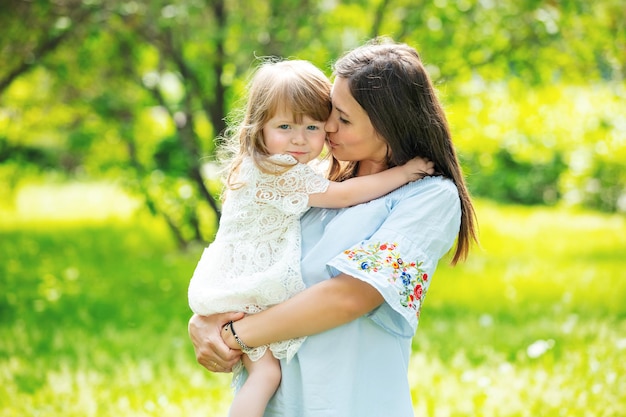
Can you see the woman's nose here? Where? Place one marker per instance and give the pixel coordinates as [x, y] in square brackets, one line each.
[331, 125]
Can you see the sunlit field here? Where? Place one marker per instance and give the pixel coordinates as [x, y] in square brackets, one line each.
[93, 315]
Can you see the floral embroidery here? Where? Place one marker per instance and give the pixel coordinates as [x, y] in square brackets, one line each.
[408, 276]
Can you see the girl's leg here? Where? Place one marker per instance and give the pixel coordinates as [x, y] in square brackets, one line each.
[263, 379]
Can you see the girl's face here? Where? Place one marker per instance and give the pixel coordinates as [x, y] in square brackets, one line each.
[351, 135]
[304, 141]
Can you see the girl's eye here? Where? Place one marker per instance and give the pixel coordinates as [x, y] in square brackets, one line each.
[284, 127]
[312, 127]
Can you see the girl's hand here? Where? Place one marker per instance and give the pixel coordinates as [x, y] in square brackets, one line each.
[211, 351]
[418, 168]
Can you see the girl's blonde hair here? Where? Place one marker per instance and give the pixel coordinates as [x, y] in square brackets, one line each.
[295, 86]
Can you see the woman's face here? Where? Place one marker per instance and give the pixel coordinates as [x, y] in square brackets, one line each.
[351, 135]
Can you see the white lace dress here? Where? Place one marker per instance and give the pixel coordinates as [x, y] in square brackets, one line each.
[254, 261]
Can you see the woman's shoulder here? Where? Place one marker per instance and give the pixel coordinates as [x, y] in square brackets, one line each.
[437, 194]
[434, 184]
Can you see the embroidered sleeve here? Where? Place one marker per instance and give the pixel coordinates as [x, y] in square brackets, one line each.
[400, 256]
[396, 269]
[406, 276]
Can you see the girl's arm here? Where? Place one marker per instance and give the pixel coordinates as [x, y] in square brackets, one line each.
[321, 307]
[369, 187]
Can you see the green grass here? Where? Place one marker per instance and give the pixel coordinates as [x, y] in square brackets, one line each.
[93, 316]
[533, 324]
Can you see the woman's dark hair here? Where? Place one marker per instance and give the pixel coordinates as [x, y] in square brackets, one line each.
[391, 84]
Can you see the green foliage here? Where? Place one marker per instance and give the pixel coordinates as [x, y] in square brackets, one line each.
[546, 145]
[139, 90]
[93, 315]
[508, 180]
[536, 41]
[605, 187]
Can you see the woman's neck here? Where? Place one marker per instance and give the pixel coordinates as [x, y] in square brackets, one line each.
[369, 168]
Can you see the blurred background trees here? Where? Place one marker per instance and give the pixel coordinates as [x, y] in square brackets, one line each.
[136, 92]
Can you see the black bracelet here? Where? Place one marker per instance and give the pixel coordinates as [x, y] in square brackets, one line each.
[244, 348]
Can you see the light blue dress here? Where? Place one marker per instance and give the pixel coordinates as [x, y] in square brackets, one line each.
[393, 243]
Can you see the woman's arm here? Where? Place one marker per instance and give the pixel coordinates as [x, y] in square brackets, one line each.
[321, 307]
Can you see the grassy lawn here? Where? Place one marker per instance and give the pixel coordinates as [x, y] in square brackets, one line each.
[93, 315]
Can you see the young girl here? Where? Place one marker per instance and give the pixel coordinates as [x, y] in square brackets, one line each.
[254, 261]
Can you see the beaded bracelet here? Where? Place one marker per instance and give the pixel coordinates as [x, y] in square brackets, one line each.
[244, 348]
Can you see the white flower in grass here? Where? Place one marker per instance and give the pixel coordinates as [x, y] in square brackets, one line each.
[539, 347]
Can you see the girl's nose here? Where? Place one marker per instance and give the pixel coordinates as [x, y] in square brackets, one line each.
[298, 137]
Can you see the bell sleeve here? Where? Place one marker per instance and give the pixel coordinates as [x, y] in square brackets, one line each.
[401, 256]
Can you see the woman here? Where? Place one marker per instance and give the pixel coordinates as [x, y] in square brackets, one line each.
[381, 255]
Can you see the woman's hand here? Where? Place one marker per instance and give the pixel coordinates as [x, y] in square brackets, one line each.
[211, 351]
